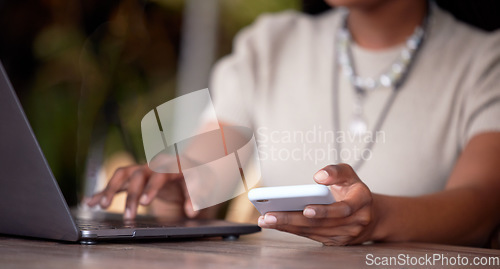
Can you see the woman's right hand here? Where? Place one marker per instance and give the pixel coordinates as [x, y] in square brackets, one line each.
[142, 186]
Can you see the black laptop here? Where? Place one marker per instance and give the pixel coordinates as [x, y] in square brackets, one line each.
[31, 203]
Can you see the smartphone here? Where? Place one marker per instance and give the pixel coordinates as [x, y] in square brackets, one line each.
[289, 198]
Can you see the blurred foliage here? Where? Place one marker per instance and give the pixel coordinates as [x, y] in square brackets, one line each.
[236, 14]
[73, 63]
[92, 58]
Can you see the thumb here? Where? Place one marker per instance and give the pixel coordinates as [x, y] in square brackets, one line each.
[340, 174]
[188, 209]
[188, 205]
[345, 184]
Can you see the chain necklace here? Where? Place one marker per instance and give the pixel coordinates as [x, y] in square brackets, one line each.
[394, 77]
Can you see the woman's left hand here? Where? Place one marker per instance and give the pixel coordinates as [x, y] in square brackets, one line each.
[350, 220]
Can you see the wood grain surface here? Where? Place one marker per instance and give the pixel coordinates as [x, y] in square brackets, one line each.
[268, 249]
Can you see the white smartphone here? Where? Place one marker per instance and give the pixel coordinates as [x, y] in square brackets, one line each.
[289, 198]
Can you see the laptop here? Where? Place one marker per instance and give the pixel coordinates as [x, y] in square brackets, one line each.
[32, 205]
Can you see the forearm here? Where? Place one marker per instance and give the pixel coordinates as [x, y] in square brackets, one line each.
[456, 216]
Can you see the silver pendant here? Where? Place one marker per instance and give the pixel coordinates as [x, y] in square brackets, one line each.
[358, 125]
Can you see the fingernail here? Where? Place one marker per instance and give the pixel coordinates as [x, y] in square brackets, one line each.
[128, 213]
[104, 201]
[261, 221]
[270, 219]
[309, 212]
[144, 199]
[321, 175]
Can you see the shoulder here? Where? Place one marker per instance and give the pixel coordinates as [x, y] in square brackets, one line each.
[290, 21]
[463, 54]
[275, 29]
[468, 43]
[481, 52]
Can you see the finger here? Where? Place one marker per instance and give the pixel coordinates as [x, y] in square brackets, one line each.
[289, 218]
[298, 219]
[351, 231]
[189, 210]
[155, 183]
[95, 199]
[340, 240]
[357, 197]
[116, 182]
[340, 174]
[335, 210]
[338, 236]
[327, 235]
[188, 205]
[285, 228]
[343, 178]
[136, 186]
[260, 221]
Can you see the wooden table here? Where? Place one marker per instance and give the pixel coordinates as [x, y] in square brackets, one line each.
[269, 249]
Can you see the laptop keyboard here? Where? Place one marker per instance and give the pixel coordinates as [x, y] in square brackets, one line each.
[87, 225]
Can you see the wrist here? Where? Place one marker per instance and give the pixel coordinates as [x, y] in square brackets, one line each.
[380, 232]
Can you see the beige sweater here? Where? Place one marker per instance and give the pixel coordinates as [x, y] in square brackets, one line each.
[279, 80]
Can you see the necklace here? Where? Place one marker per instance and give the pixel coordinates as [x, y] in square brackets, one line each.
[393, 77]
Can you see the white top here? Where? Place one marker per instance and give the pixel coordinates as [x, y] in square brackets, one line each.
[280, 78]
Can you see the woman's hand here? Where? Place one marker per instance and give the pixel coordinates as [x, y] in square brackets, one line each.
[142, 186]
[351, 220]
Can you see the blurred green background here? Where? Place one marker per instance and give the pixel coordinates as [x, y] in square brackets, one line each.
[76, 64]
[70, 61]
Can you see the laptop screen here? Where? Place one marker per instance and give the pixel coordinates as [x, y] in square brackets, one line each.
[79, 133]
